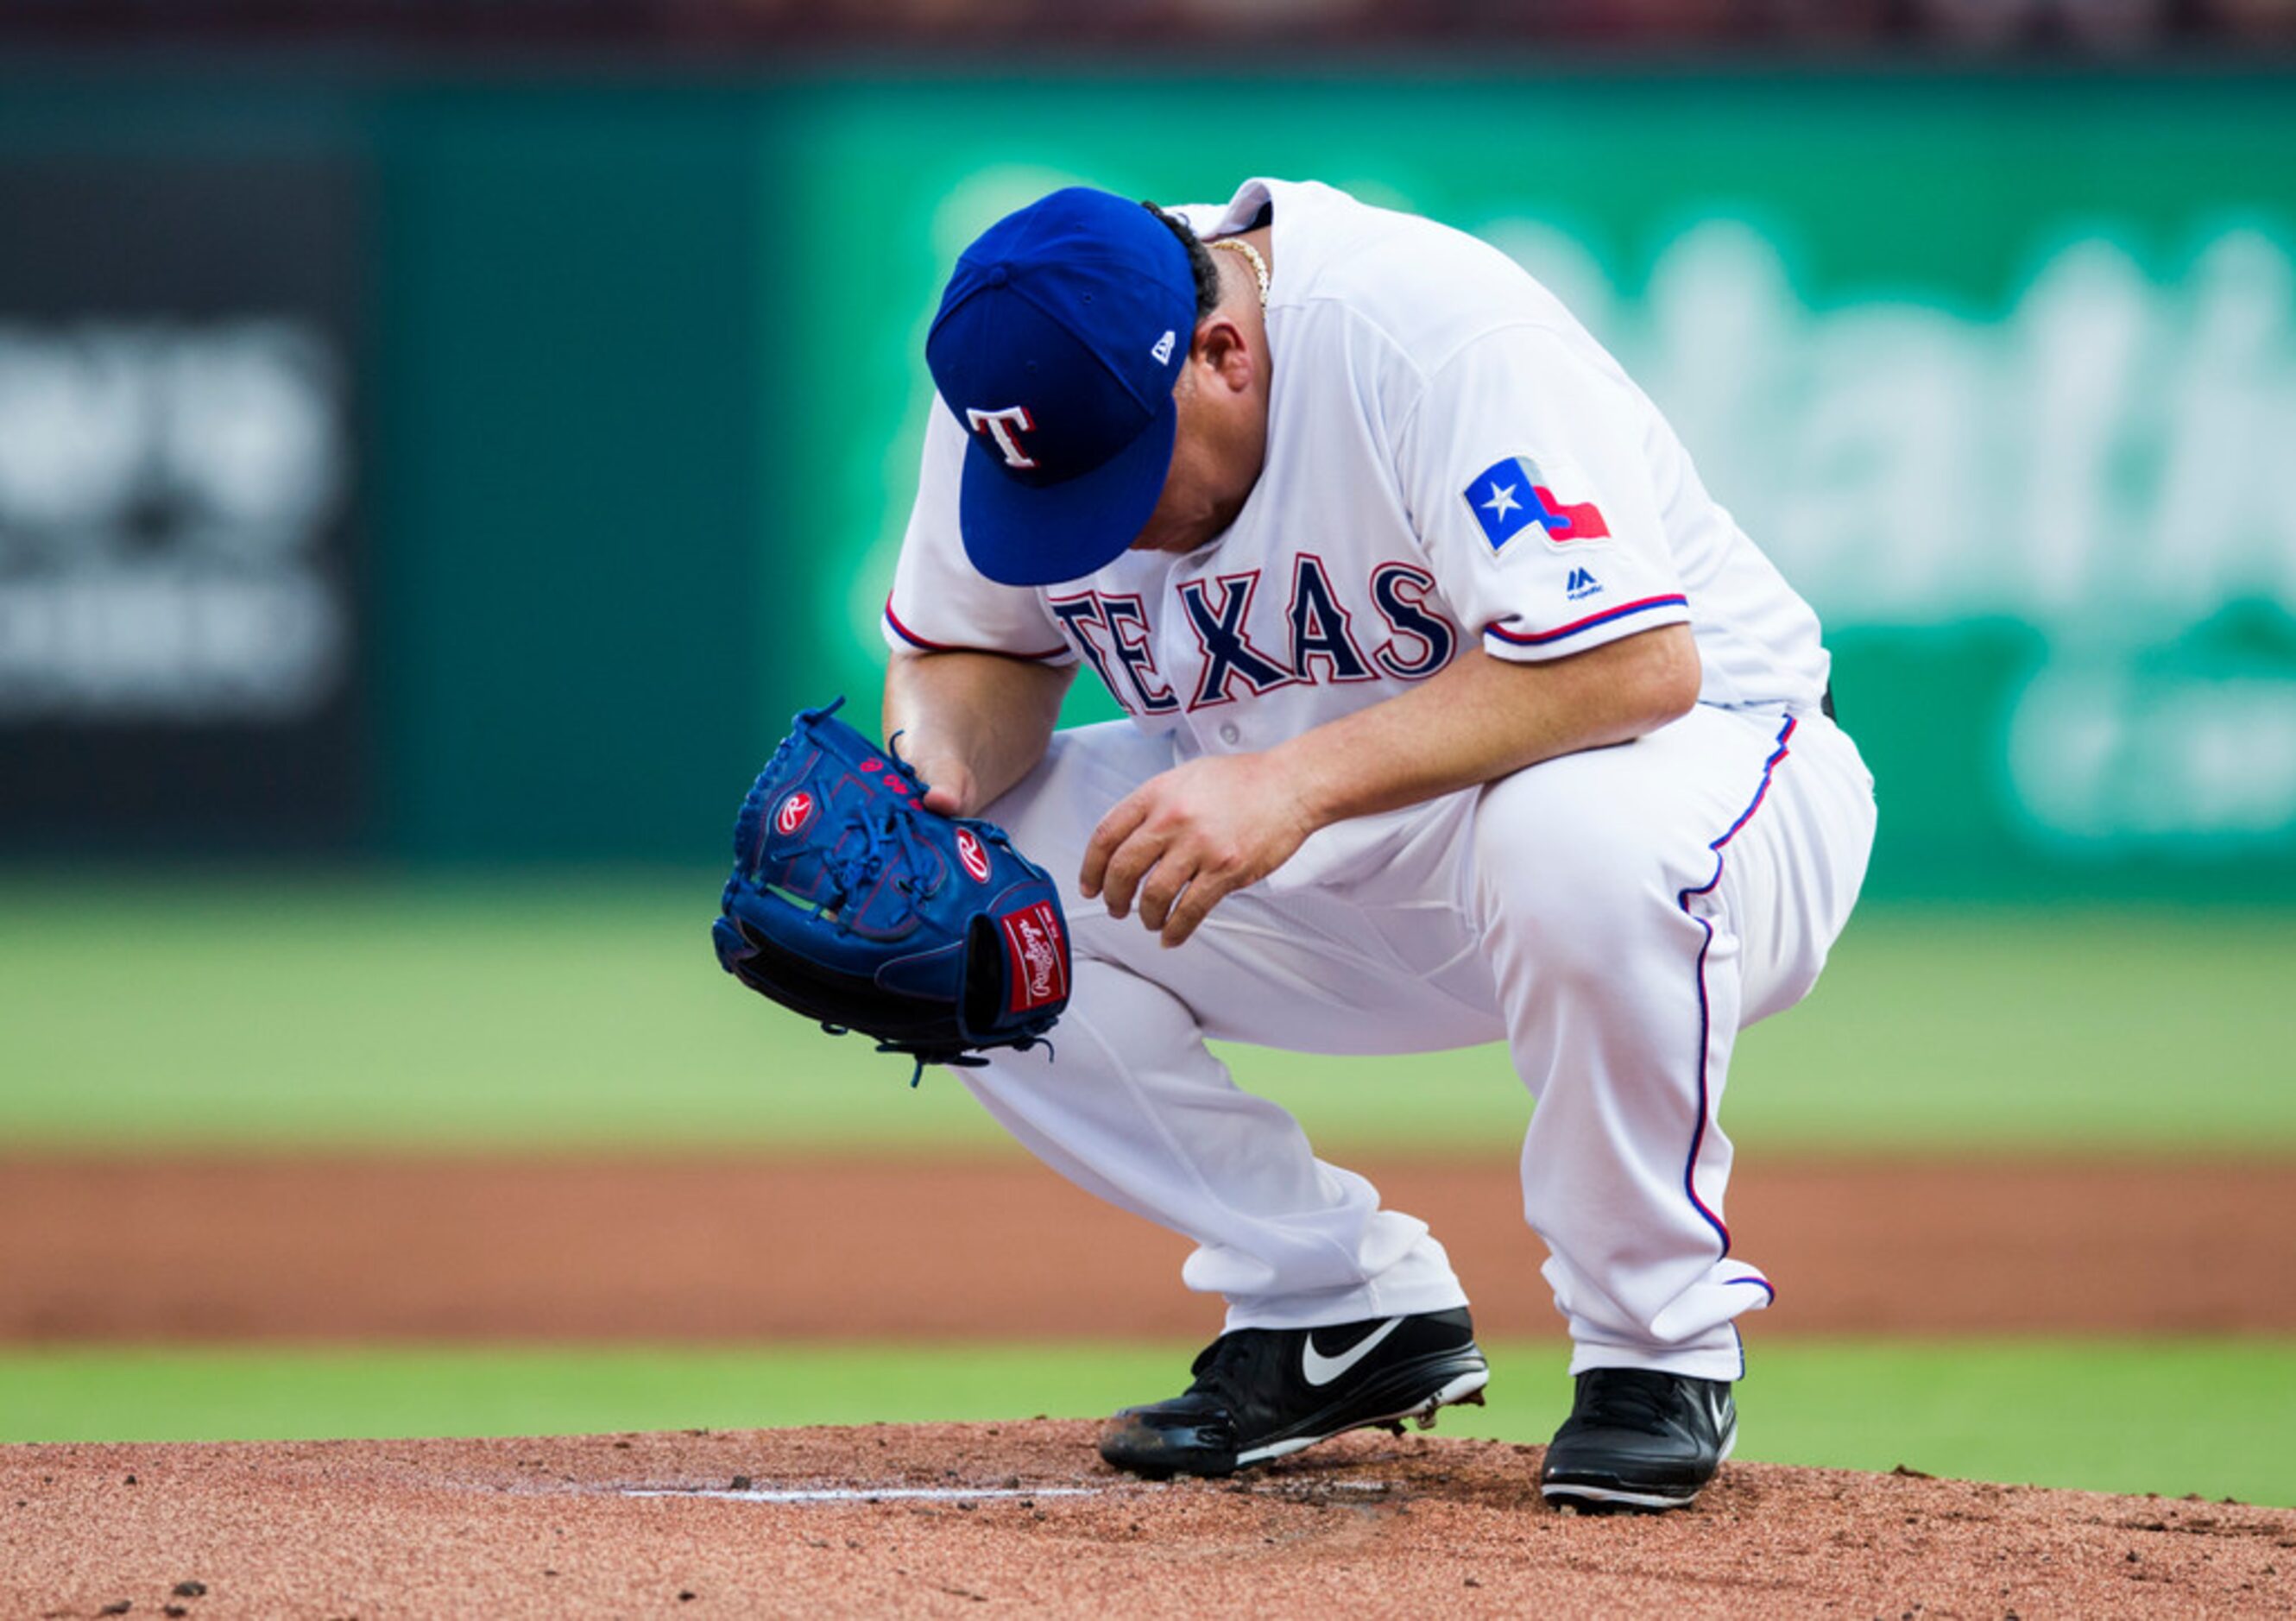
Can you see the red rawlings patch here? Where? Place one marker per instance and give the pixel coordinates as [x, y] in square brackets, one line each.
[1039, 957]
[975, 858]
[796, 811]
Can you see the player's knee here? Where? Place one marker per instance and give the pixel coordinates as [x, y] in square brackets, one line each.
[1570, 872]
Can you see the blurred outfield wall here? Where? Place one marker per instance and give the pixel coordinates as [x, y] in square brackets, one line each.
[2002, 369]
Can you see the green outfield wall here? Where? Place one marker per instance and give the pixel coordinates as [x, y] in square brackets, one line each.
[2002, 369]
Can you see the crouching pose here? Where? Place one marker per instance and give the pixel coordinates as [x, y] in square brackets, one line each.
[1457, 712]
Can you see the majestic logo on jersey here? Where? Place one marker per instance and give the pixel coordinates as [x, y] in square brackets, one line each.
[969, 852]
[1581, 585]
[1321, 644]
[796, 811]
[1507, 497]
[1032, 946]
[1005, 426]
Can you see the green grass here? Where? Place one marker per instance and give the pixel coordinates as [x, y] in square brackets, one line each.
[586, 1011]
[2170, 1417]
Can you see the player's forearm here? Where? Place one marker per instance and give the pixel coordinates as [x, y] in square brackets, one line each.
[1483, 717]
[972, 723]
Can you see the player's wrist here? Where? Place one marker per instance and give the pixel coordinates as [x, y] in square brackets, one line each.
[1303, 776]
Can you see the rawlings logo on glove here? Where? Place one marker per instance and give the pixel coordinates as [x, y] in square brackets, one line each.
[1033, 938]
[855, 906]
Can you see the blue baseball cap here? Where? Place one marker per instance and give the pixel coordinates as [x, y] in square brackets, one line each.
[1057, 344]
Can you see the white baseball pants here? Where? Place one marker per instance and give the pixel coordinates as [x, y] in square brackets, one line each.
[1615, 916]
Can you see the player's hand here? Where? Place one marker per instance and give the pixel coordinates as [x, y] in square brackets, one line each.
[948, 785]
[1188, 838]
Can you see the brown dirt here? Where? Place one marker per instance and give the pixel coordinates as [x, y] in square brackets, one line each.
[1022, 1516]
[1366, 1525]
[254, 1249]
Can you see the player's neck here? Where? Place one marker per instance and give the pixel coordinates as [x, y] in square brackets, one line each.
[1242, 260]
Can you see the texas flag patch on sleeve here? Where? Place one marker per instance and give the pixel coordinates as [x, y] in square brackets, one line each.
[1509, 496]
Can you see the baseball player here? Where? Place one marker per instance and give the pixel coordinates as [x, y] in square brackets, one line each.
[1458, 712]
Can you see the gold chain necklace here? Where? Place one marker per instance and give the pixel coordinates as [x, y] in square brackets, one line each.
[1236, 244]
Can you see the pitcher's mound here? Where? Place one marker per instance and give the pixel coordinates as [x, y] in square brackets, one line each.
[944, 1518]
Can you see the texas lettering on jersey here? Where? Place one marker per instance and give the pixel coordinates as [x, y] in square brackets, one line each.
[1392, 630]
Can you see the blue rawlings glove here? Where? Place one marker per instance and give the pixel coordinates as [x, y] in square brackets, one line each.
[853, 905]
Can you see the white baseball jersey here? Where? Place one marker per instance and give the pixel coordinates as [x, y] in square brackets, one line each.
[1452, 461]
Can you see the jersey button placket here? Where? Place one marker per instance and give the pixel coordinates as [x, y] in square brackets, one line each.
[1230, 733]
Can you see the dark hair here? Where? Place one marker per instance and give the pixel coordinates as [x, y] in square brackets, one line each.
[1199, 260]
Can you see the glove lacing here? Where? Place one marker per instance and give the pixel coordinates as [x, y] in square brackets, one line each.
[889, 838]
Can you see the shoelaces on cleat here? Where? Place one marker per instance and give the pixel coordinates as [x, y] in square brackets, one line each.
[1222, 1369]
[1630, 1398]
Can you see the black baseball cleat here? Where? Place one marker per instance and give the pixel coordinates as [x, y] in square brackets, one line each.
[1639, 1439]
[1262, 1393]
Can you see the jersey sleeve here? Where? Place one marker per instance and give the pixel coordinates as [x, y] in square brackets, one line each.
[1523, 466]
[940, 603]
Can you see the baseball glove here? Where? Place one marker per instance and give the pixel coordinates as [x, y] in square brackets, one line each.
[855, 906]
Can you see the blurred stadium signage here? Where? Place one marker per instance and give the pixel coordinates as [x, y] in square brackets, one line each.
[177, 629]
[2000, 367]
[2103, 460]
[166, 493]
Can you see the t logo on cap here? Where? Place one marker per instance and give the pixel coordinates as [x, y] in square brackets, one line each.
[1006, 426]
[1076, 310]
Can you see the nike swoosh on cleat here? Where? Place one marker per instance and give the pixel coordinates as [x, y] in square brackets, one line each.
[1321, 1369]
